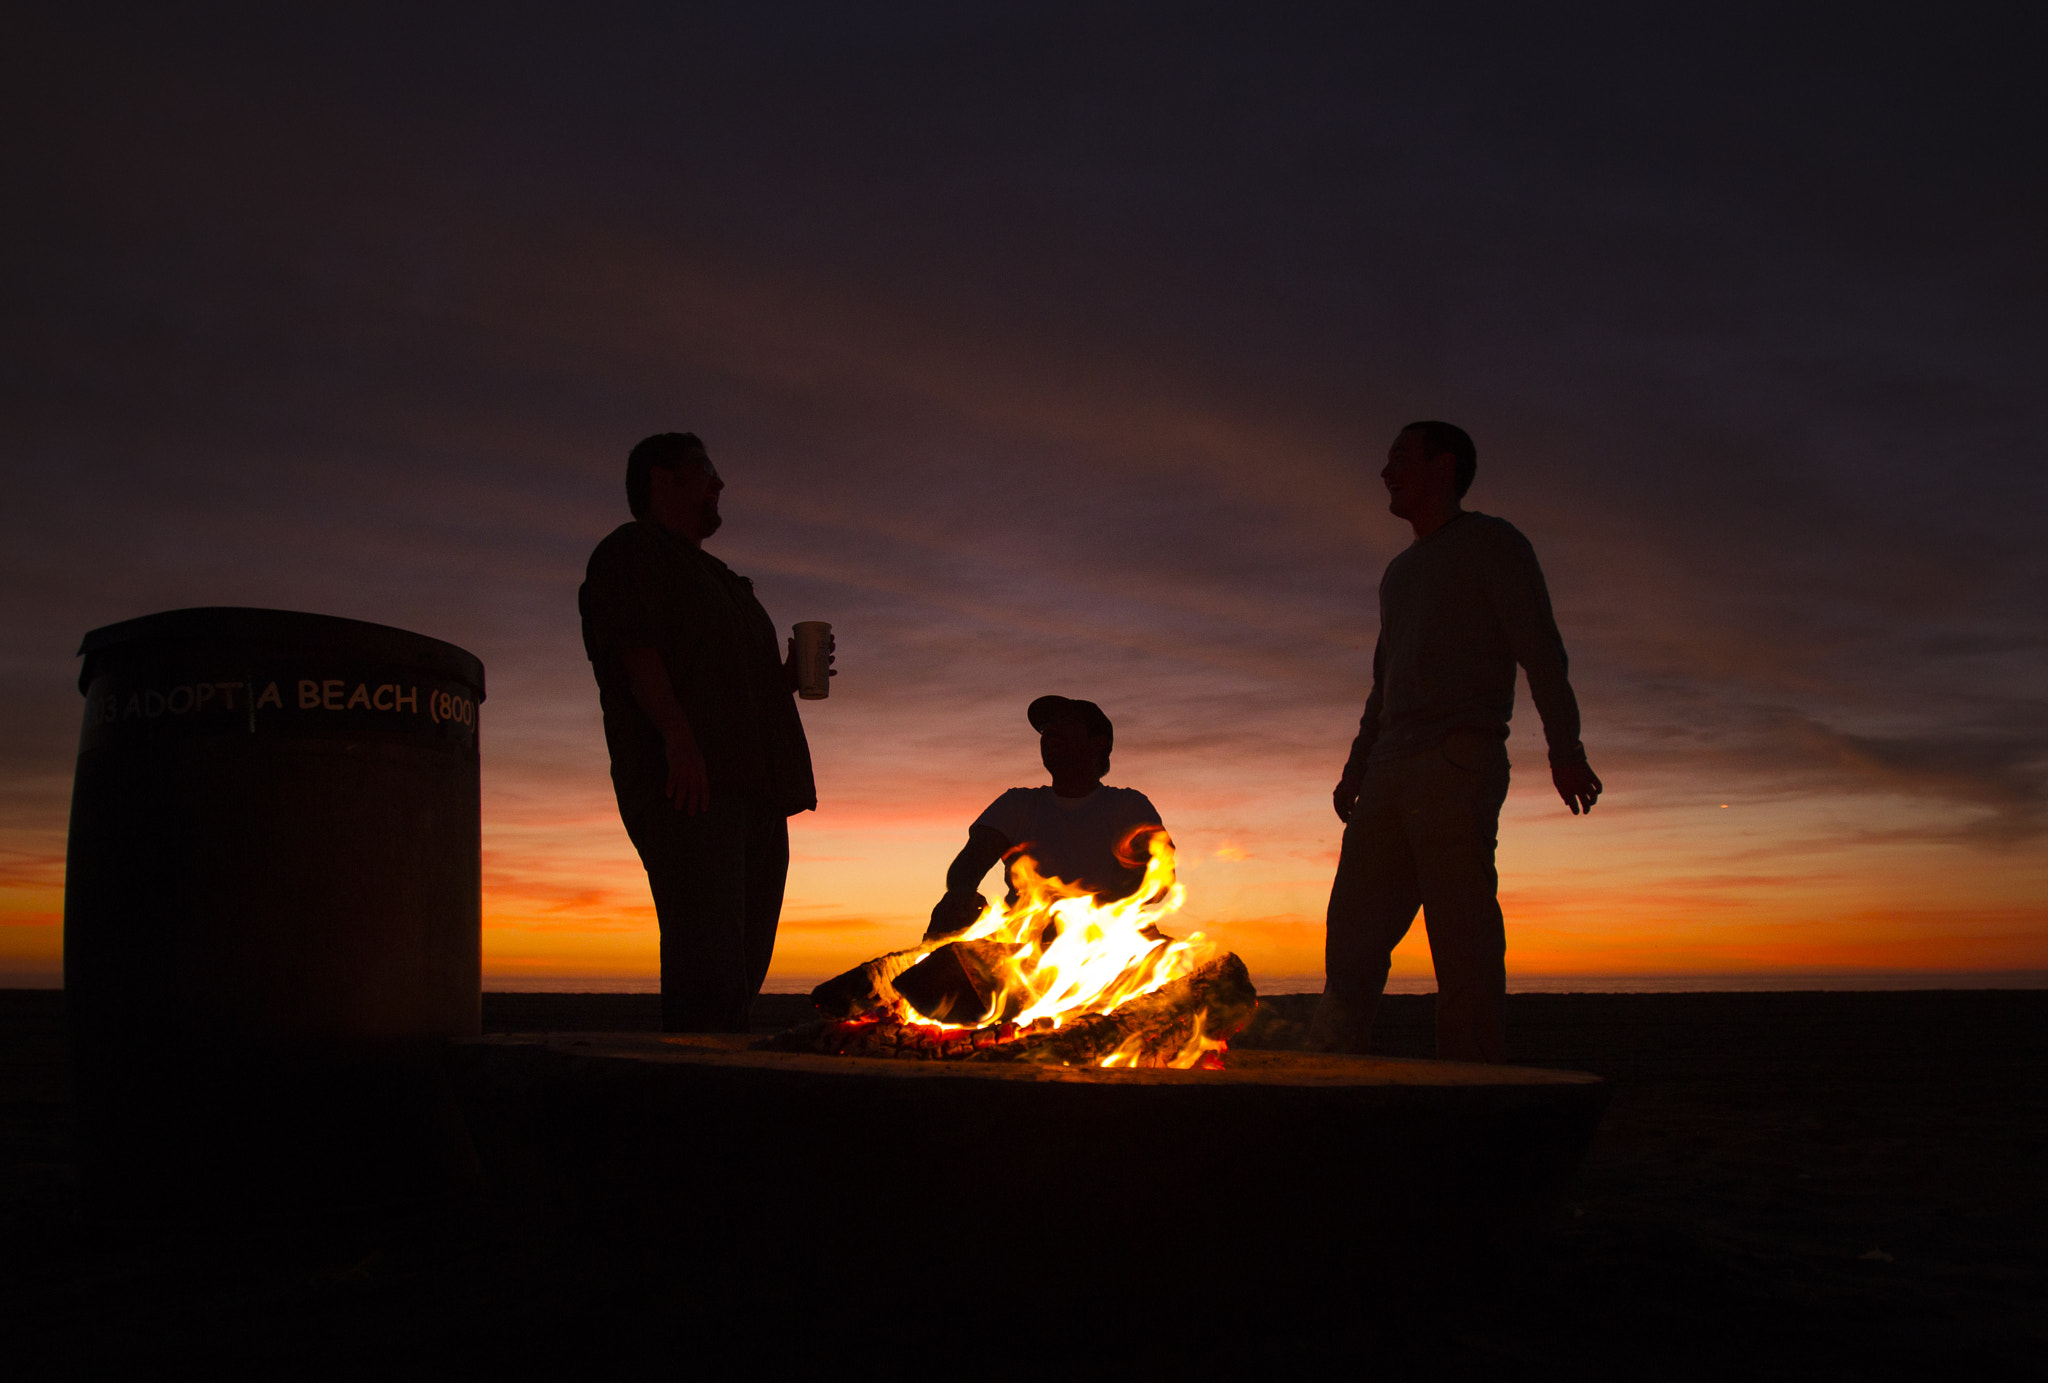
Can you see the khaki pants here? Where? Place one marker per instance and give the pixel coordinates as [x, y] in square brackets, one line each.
[1422, 836]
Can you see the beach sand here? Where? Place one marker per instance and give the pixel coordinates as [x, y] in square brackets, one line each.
[1795, 1185]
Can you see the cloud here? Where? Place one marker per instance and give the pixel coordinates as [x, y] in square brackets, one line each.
[1036, 364]
[2005, 774]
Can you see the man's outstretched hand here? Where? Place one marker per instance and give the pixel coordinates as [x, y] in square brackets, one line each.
[1577, 784]
[1345, 796]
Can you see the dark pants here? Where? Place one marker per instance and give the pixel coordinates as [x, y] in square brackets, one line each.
[1422, 836]
[717, 879]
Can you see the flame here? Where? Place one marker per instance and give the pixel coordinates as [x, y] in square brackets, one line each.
[1073, 955]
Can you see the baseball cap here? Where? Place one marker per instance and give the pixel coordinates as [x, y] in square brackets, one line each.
[1051, 710]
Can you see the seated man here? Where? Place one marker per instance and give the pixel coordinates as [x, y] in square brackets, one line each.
[1076, 830]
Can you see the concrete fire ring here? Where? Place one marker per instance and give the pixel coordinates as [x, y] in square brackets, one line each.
[1033, 1168]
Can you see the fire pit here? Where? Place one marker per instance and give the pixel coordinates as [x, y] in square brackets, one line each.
[1043, 1096]
[1287, 1172]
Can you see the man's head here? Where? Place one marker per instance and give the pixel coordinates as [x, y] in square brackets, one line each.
[1074, 738]
[670, 479]
[1430, 466]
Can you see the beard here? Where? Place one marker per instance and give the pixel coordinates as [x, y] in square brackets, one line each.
[711, 518]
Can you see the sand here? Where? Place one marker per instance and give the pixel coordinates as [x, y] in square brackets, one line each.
[1838, 1185]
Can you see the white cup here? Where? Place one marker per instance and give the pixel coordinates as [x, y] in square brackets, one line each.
[813, 674]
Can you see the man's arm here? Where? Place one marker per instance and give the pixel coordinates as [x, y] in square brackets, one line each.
[688, 786]
[1522, 601]
[963, 904]
[1345, 795]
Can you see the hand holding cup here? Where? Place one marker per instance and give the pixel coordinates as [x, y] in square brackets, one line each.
[810, 659]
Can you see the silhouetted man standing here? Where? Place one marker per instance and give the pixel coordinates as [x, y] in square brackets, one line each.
[1421, 793]
[708, 755]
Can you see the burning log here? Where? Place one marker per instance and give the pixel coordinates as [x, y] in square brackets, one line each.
[1208, 1006]
[1213, 1003]
[865, 987]
[962, 982]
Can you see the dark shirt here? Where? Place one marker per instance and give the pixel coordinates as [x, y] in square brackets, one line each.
[648, 588]
[1458, 610]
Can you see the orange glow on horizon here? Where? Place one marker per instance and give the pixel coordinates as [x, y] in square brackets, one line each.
[1630, 892]
[607, 931]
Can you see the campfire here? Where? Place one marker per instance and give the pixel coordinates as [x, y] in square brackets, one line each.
[1055, 978]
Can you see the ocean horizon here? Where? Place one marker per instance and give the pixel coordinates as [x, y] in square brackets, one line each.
[1709, 983]
[1763, 981]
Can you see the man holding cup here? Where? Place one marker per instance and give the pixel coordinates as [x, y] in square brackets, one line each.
[708, 753]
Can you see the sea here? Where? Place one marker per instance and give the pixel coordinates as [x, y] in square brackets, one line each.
[1779, 981]
[1751, 981]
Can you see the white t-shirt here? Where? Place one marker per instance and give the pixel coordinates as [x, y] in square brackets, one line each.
[1076, 838]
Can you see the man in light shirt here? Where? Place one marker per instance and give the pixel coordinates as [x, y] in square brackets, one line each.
[1077, 830]
[1421, 793]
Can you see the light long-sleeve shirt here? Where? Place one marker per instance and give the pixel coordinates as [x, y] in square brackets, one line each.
[1458, 610]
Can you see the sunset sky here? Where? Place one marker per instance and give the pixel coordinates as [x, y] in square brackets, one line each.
[1056, 348]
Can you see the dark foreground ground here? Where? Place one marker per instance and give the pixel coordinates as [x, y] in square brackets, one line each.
[1786, 1185]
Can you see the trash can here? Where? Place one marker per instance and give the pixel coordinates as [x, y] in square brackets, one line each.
[272, 909]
